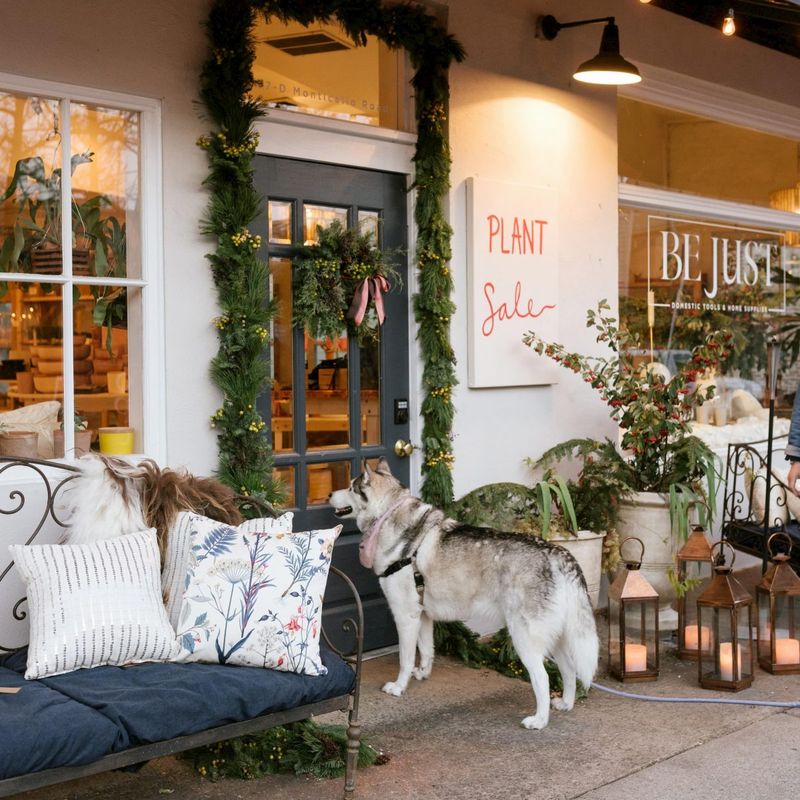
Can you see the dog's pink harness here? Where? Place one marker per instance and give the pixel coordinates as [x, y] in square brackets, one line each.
[369, 541]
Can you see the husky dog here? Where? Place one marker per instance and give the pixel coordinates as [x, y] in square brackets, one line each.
[534, 588]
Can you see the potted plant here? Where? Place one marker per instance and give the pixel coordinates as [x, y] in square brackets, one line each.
[659, 470]
[35, 244]
[83, 437]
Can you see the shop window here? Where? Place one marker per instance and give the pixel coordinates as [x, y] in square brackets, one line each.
[72, 261]
[725, 258]
[669, 149]
[318, 70]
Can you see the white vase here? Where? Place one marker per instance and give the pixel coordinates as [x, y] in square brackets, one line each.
[587, 549]
[646, 516]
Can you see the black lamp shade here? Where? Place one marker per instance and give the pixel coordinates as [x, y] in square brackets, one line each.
[608, 67]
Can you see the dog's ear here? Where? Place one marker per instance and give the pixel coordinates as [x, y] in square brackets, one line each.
[383, 466]
[366, 472]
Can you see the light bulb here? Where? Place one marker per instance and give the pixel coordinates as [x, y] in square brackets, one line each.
[644, 1]
[729, 26]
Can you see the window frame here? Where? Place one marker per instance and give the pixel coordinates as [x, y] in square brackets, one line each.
[151, 282]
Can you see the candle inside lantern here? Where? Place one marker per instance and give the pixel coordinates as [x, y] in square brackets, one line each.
[726, 667]
[787, 651]
[690, 637]
[635, 657]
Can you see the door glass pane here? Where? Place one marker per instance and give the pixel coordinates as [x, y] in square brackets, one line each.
[368, 223]
[371, 391]
[281, 356]
[280, 222]
[320, 216]
[327, 404]
[326, 478]
[285, 476]
[106, 205]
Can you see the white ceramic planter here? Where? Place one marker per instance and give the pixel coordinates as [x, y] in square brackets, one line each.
[587, 549]
[646, 516]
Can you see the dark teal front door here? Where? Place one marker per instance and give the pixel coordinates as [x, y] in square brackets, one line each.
[335, 402]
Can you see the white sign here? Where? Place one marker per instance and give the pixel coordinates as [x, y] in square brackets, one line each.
[512, 252]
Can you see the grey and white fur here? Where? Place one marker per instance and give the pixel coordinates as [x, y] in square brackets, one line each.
[534, 588]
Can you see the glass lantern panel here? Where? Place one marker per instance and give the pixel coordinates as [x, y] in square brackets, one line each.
[696, 574]
[614, 638]
[764, 624]
[641, 638]
[787, 634]
[730, 657]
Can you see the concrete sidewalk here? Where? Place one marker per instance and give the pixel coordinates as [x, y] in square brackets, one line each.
[458, 735]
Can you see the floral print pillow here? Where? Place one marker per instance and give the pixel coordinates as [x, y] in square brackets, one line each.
[254, 596]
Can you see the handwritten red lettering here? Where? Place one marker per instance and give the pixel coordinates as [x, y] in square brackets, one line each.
[494, 229]
[501, 312]
[516, 235]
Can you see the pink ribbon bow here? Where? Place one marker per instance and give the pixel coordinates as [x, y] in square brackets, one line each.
[369, 287]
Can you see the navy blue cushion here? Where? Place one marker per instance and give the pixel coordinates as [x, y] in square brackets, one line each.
[40, 728]
[152, 702]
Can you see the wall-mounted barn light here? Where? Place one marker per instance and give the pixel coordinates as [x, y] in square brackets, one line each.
[608, 67]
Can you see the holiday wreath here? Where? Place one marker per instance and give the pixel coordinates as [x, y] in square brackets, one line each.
[341, 279]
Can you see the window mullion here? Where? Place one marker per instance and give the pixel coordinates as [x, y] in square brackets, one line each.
[66, 288]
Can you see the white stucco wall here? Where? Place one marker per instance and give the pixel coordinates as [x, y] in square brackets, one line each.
[516, 115]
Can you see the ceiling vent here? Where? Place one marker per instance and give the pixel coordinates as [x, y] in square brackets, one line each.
[309, 42]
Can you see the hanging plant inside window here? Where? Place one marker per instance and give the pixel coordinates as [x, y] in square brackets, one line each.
[341, 281]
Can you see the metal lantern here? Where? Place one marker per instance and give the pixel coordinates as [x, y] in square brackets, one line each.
[725, 608]
[778, 613]
[632, 623]
[695, 568]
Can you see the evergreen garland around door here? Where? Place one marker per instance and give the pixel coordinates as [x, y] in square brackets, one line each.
[241, 277]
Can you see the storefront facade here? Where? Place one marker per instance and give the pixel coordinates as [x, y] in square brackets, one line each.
[516, 119]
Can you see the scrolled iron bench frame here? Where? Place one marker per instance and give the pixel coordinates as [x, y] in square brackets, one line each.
[14, 501]
[739, 528]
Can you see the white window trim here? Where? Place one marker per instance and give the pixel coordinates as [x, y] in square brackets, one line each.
[694, 96]
[152, 280]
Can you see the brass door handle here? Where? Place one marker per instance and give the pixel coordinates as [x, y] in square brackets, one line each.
[403, 449]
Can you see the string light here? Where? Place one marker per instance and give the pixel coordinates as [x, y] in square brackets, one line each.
[729, 25]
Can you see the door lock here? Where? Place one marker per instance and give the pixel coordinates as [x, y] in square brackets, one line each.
[403, 449]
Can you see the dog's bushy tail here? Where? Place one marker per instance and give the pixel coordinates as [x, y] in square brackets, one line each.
[582, 637]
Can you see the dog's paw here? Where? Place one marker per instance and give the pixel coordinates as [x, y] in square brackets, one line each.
[393, 688]
[560, 704]
[422, 673]
[535, 722]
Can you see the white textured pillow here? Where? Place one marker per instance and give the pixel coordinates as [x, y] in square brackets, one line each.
[174, 579]
[254, 597]
[94, 604]
[755, 485]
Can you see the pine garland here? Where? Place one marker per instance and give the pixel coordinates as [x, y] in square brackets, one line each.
[301, 748]
[241, 278]
[431, 50]
[245, 461]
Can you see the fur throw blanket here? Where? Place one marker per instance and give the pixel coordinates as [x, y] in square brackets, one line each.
[112, 497]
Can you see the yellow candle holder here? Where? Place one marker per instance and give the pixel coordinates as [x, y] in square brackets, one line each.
[116, 441]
